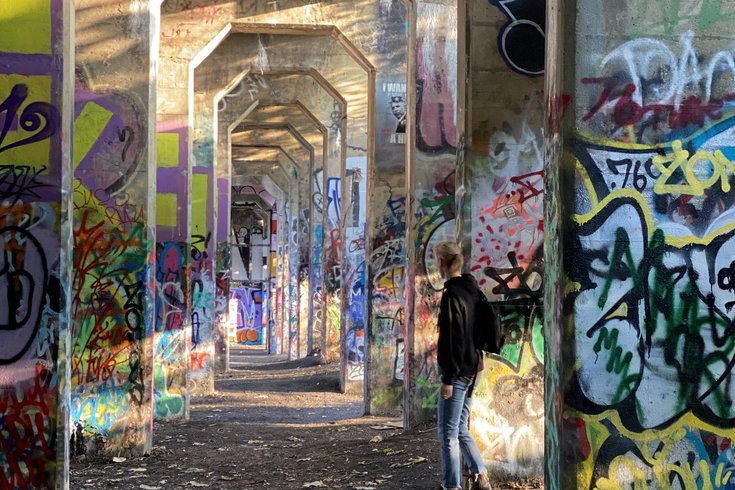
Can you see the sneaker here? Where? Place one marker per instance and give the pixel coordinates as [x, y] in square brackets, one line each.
[480, 481]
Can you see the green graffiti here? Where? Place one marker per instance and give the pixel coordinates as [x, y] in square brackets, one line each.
[428, 393]
[619, 270]
[537, 339]
[710, 13]
[617, 362]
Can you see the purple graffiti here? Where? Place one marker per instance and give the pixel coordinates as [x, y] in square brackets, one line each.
[23, 281]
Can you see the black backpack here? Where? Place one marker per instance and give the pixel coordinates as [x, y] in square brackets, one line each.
[488, 330]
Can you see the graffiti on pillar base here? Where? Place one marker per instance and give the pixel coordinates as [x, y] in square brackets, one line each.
[355, 335]
[28, 347]
[202, 303]
[522, 40]
[246, 314]
[170, 368]
[304, 306]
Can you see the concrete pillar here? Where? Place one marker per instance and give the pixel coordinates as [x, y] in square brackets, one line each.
[113, 299]
[202, 280]
[431, 204]
[500, 181]
[305, 123]
[173, 256]
[640, 157]
[386, 225]
[222, 275]
[354, 192]
[36, 85]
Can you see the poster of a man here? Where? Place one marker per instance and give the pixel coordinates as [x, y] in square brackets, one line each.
[398, 107]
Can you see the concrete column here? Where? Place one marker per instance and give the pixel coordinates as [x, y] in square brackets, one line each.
[222, 274]
[640, 136]
[173, 257]
[202, 281]
[386, 223]
[113, 299]
[36, 86]
[500, 200]
[431, 205]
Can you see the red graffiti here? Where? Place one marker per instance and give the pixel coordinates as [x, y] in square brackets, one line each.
[556, 108]
[26, 441]
[627, 111]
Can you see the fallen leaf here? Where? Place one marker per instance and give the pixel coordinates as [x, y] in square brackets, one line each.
[303, 459]
[119, 459]
[314, 484]
[197, 484]
[376, 439]
[139, 469]
[226, 478]
[146, 487]
[197, 444]
[410, 462]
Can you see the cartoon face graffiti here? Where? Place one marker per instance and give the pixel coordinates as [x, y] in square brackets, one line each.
[23, 279]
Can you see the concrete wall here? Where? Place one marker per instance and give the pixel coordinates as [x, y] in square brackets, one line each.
[114, 240]
[36, 55]
[431, 205]
[642, 145]
[386, 227]
[503, 225]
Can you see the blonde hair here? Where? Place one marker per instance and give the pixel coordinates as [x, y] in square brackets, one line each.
[451, 254]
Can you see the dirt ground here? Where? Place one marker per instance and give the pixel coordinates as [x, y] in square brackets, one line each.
[276, 424]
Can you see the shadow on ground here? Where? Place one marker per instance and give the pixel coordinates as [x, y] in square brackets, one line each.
[275, 424]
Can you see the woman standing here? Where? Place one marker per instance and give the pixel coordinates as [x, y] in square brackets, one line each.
[459, 363]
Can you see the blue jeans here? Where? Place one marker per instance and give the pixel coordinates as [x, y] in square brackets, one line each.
[454, 435]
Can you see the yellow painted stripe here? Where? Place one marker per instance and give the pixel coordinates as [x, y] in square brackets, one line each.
[87, 129]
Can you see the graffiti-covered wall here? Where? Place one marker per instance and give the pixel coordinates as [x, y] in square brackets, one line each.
[433, 186]
[171, 366]
[113, 275]
[36, 90]
[503, 226]
[648, 245]
[201, 338]
[385, 247]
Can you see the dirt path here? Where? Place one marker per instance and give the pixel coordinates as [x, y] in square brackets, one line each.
[275, 424]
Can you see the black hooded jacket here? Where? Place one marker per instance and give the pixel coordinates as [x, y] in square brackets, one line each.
[457, 355]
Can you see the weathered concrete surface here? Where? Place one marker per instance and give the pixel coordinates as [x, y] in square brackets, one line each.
[114, 221]
[36, 87]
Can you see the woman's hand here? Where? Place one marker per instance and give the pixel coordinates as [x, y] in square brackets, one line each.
[446, 391]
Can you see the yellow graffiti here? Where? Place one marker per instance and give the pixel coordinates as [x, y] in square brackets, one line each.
[26, 26]
[166, 209]
[88, 127]
[680, 159]
[679, 242]
[167, 150]
[35, 155]
[656, 447]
